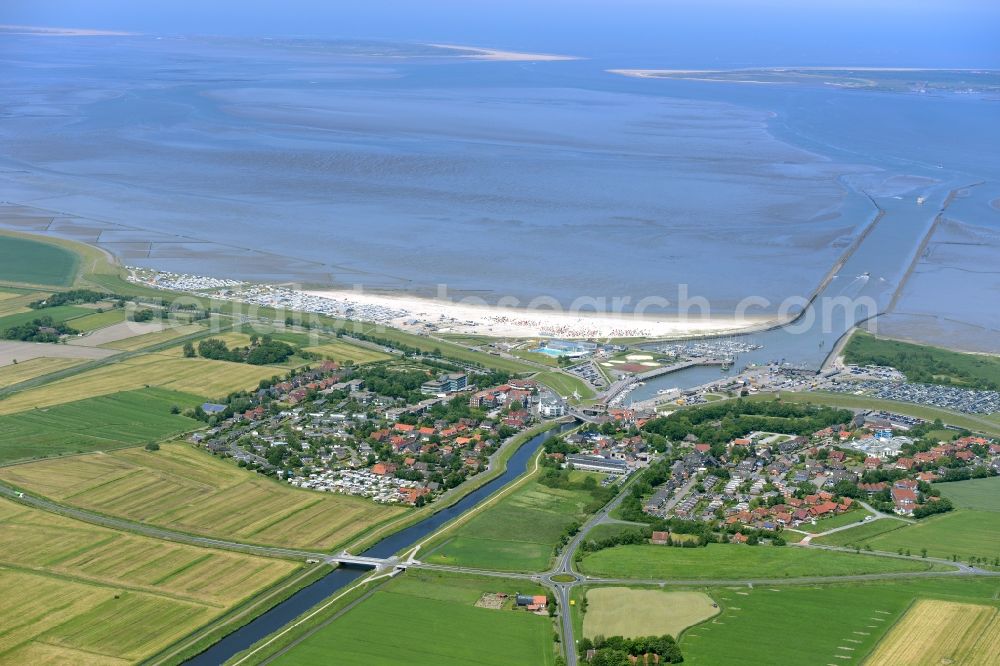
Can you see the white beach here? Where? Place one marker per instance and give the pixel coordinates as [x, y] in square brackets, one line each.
[416, 313]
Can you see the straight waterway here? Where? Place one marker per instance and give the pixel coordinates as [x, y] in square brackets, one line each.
[309, 596]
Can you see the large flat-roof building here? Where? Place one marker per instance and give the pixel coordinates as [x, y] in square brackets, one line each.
[597, 464]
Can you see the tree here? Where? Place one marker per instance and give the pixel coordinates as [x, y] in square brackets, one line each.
[152, 446]
[189, 350]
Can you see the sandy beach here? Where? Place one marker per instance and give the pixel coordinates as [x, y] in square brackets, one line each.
[416, 313]
[477, 53]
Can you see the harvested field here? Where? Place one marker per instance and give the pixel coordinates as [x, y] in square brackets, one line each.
[198, 376]
[78, 593]
[342, 352]
[186, 489]
[36, 367]
[623, 611]
[144, 340]
[114, 331]
[13, 350]
[942, 632]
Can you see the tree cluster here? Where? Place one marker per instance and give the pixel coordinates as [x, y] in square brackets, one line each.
[616, 650]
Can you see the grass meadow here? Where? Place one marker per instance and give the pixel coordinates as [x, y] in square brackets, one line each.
[565, 385]
[971, 530]
[33, 262]
[106, 422]
[59, 314]
[79, 593]
[96, 320]
[724, 561]
[184, 488]
[517, 533]
[342, 352]
[816, 624]
[426, 619]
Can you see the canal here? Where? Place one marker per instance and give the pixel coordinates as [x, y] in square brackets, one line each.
[300, 602]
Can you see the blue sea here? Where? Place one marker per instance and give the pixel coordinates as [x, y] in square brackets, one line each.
[390, 164]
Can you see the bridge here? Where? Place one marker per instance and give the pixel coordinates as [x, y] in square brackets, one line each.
[346, 559]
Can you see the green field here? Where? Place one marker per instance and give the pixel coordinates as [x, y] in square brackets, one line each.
[183, 488]
[858, 535]
[854, 516]
[565, 385]
[76, 593]
[35, 262]
[724, 561]
[198, 376]
[110, 421]
[59, 314]
[978, 494]
[964, 533]
[517, 533]
[96, 320]
[425, 619]
[831, 624]
[342, 352]
[924, 363]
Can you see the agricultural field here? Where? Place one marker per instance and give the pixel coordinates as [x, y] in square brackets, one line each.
[942, 632]
[724, 561]
[36, 367]
[34, 262]
[59, 314]
[343, 352]
[624, 611]
[198, 376]
[977, 494]
[96, 320]
[565, 385]
[184, 488]
[517, 533]
[424, 618]
[83, 594]
[155, 338]
[831, 624]
[16, 302]
[106, 422]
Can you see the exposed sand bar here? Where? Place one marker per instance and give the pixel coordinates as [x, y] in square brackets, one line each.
[477, 53]
[458, 317]
[46, 31]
